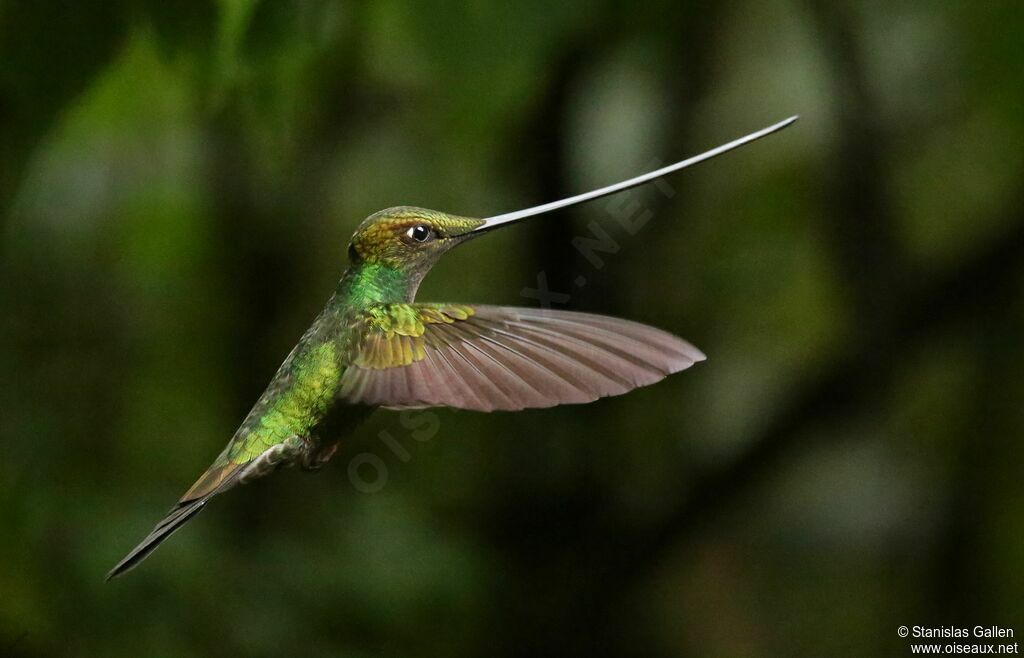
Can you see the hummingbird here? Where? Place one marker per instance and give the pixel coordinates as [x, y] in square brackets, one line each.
[373, 346]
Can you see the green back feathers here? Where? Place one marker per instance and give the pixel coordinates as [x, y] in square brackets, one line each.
[294, 410]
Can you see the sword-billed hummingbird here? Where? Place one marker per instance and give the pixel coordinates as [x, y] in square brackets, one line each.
[374, 346]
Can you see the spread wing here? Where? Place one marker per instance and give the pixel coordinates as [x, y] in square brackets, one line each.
[487, 358]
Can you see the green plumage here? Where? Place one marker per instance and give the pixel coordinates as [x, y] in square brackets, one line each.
[294, 408]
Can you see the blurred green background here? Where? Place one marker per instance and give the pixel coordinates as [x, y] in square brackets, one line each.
[178, 182]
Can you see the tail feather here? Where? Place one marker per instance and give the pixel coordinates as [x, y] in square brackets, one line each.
[217, 479]
[178, 516]
[220, 477]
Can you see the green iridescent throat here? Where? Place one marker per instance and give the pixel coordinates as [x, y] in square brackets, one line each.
[373, 283]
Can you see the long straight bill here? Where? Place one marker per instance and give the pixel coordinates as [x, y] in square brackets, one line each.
[508, 217]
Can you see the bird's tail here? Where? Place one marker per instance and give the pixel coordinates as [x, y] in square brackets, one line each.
[176, 518]
[220, 477]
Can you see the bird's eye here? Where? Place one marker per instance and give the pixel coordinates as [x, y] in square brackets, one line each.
[419, 233]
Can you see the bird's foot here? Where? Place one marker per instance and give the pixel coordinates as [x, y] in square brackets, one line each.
[315, 459]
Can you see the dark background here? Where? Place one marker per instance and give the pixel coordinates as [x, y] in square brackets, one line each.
[178, 182]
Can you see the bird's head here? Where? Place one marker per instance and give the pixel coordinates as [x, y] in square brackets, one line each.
[405, 242]
[409, 239]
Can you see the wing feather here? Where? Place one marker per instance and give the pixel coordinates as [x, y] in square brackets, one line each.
[488, 358]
